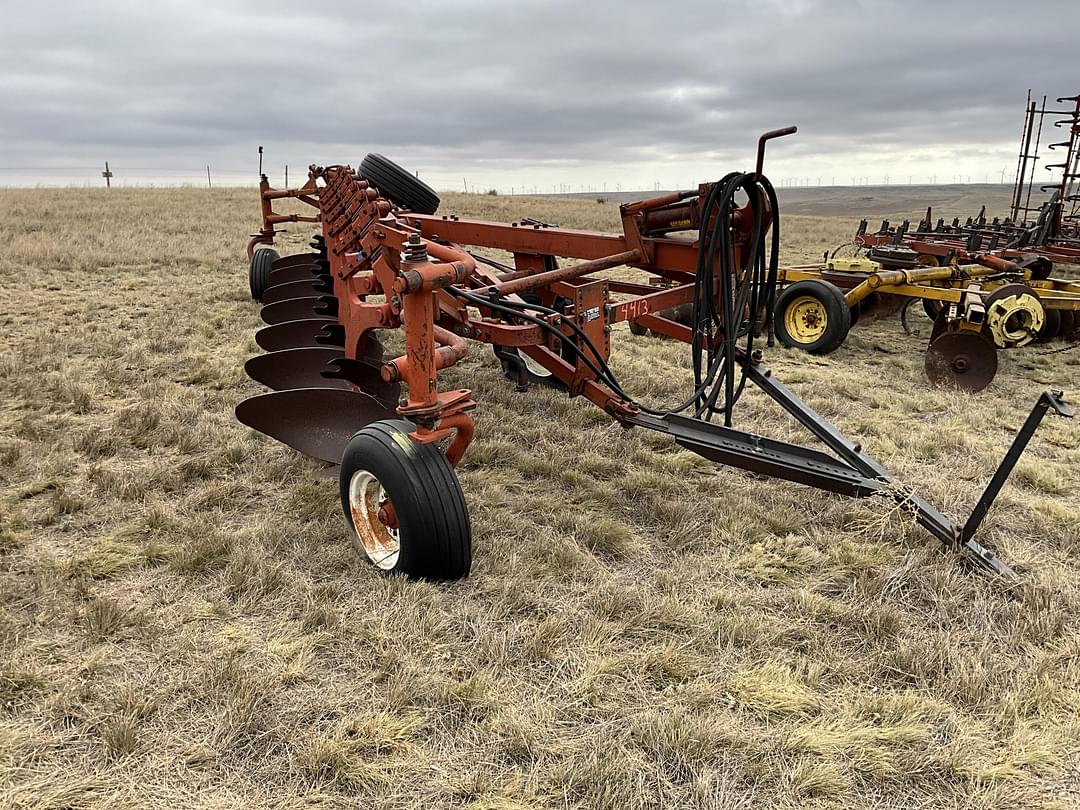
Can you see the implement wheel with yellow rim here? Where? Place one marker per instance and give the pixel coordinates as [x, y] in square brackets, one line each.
[812, 316]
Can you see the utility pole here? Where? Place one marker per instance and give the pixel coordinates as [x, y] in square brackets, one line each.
[286, 175]
[208, 184]
[107, 175]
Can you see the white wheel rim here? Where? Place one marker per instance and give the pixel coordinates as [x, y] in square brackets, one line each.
[533, 367]
[380, 543]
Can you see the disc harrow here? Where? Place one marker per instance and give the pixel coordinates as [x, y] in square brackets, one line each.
[384, 260]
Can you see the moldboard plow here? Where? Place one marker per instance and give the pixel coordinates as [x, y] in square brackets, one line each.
[384, 260]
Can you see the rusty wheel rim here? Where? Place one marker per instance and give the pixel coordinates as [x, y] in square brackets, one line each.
[367, 504]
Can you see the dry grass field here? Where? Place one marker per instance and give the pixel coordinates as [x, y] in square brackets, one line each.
[183, 623]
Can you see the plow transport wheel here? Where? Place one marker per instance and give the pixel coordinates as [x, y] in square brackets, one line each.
[399, 185]
[812, 316]
[259, 271]
[404, 505]
[964, 359]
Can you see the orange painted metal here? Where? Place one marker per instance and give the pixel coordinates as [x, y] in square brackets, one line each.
[395, 269]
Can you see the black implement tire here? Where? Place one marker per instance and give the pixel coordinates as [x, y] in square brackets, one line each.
[259, 271]
[398, 185]
[812, 315]
[1051, 326]
[434, 537]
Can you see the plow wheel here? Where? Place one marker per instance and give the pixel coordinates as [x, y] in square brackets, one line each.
[399, 185]
[261, 264]
[964, 359]
[1014, 315]
[812, 316]
[403, 504]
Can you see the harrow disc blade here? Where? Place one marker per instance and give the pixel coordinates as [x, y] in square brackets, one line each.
[298, 309]
[316, 421]
[306, 288]
[293, 334]
[296, 260]
[295, 368]
[299, 272]
[965, 359]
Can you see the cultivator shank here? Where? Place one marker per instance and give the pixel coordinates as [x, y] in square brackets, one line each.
[385, 261]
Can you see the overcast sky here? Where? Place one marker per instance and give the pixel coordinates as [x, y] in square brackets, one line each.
[540, 94]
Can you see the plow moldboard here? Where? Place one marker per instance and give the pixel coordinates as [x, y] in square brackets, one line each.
[293, 334]
[318, 422]
[296, 260]
[295, 368]
[298, 309]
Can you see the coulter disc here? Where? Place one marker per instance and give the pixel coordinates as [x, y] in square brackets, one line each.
[316, 421]
[965, 359]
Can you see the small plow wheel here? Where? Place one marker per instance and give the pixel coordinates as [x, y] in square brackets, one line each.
[812, 316]
[261, 264]
[403, 504]
[1014, 315]
[964, 359]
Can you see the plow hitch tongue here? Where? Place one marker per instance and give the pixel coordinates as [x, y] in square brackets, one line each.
[706, 273]
[850, 471]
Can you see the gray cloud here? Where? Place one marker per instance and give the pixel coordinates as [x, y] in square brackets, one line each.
[530, 91]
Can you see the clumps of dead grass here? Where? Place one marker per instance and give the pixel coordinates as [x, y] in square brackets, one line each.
[641, 629]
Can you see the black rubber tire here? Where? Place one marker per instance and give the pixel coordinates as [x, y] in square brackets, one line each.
[259, 271]
[856, 311]
[433, 521]
[932, 307]
[398, 185]
[837, 315]
[1069, 323]
[1051, 326]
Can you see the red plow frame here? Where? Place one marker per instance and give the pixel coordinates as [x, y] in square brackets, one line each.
[385, 260]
